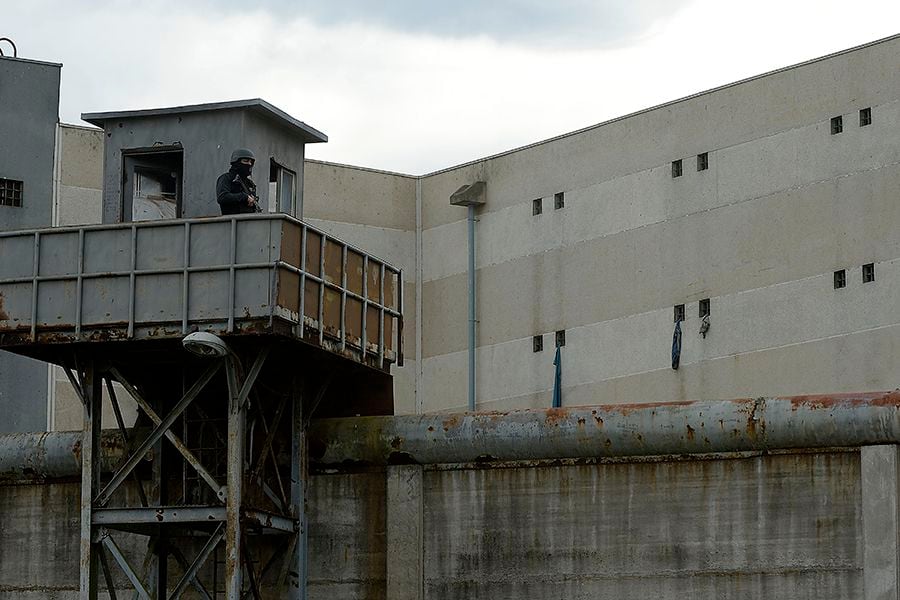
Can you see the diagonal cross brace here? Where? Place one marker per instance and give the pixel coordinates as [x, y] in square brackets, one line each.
[113, 549]
[191, 572]
[162, 429]
[249, 380]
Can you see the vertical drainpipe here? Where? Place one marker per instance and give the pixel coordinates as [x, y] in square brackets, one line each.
[420, 270]
[471, 196]
[472, 316]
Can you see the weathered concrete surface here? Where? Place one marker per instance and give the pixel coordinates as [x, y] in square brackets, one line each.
[779, 526]
[769, 527]
[405, 531]
[880, 470]
[347, 550]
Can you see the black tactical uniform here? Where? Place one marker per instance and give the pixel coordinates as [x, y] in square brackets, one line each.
[233, 187]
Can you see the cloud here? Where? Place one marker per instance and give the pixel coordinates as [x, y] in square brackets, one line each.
[568, 23]
[396, 96]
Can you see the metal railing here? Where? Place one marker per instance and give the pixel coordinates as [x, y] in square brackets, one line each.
[388, 309]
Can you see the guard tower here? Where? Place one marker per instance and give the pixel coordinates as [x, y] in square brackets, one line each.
[229, 333]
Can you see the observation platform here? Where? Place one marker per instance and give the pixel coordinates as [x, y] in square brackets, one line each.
[132, 291]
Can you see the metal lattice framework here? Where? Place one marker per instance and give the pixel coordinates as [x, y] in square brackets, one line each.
[173, 522]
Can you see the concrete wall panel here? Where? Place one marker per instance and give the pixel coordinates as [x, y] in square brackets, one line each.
[356, 195]
[773, 527]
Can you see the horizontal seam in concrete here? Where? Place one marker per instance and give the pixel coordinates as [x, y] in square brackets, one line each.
[702, 361]
[353, 224]
[711, 151]
[659, 222]
[557, 577]
[645, 313]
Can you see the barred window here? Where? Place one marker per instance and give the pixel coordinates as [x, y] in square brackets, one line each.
[865, 117]
[837, 125]
[10, 192]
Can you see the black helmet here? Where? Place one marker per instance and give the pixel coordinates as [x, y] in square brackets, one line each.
[242, 153]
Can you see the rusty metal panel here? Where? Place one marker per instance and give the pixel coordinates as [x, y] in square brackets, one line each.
[313, 253]
[208, 295]
[251, 293]
[291, 242]
[151, 306]
[56, 303]
[109, 301]
[311, 301]
[334, 266]
[15, 306]
[355, 272]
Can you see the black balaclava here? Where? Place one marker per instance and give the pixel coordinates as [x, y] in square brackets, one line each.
[242, 169]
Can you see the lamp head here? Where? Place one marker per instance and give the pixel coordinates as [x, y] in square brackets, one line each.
[205, 344]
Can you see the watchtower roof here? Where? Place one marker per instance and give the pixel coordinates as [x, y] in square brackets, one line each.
[257, 105]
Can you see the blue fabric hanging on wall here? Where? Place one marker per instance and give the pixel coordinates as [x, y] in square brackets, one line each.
[557, 381]
[676, 346]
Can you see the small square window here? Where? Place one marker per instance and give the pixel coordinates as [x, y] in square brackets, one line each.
[11, 192]
[537, 343]
[703, 161]
[837, 125]
[679, 312]
[865, 117]
[560, 338]
[559, 200]
[840, 279]
[704, 307]
[676, 168]
[868, 273]
[537, 206]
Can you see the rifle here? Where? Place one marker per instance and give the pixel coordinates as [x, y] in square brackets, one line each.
[239, 179]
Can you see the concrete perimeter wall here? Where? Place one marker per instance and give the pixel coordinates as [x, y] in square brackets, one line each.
[819, 525]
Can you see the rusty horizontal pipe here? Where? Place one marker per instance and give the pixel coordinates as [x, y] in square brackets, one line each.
[52, 455]
[611, 430]
[578, 432]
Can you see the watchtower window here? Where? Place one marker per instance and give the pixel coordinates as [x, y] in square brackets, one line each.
[679, 312]
[537, 206]
[537, 343]
[282, 189]
[676, 168]
[10, 192]
[559, 200]
[151, 183]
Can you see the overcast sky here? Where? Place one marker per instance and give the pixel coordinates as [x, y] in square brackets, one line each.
[416, 86]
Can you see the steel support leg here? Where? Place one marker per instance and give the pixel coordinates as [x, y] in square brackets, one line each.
[90, 481]
[297, 568]
[237, 415]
